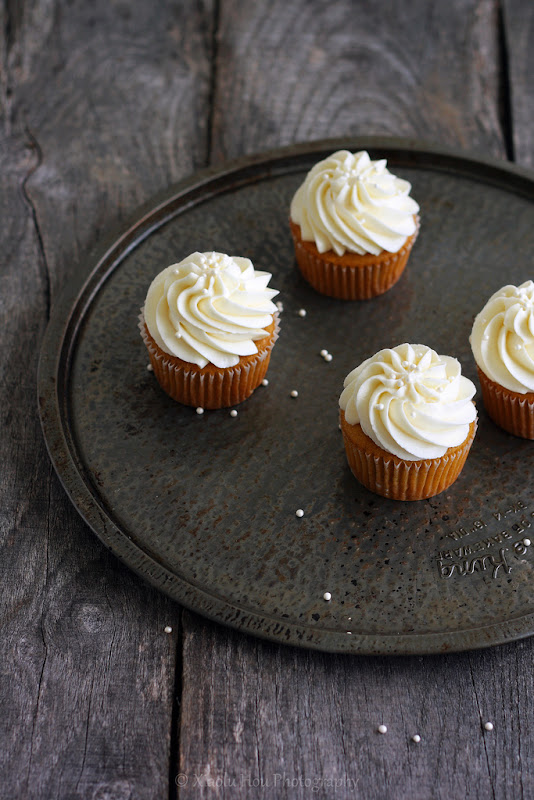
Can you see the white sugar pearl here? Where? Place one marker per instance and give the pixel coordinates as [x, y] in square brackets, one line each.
[382, 729]
[327, 596]
[323, 353]
[167, 629]
[328, 357]
[233, 413]
[302, 312]
[200, 410]
[527, 542]
[488, 726]
[294, 393]
[416, 738]
[265, 382]
[150, 368]
[379, 406]
[299, 512]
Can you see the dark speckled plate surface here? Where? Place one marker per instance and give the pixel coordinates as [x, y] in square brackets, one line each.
[204, 506]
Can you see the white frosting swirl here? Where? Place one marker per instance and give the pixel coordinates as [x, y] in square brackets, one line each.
[410, 401]
[209, 308]
[348, 202]
[502, 338]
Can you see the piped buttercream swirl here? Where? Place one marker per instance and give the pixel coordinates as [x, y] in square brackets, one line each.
[502, 338]
[209, 308]
[410, 401]
[350, 203]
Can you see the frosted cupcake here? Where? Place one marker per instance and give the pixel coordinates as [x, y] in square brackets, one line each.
[209, 325]
[408, 421]
[502, 341]
[353, 225]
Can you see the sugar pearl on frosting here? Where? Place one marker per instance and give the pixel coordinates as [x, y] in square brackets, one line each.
[323, 353]
[327, 596]
[416, 738]
[299, 512]
[265, 382]
[488, 726]
[379, 406]
[200, 410]
[294, 393]
[302, 312]
[233, 413]
[328, 357]
[527, 542]
[150, 368]
[167, 629]
[382, 729]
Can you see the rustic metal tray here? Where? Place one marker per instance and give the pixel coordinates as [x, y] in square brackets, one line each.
[204, 506]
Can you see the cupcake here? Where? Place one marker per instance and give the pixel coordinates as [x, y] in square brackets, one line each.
[408, 421]
[353, 225]
[209, 325]
[502, 341]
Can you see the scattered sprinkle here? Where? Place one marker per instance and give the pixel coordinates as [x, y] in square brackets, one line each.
[527, 542]
[200, 410]
[488, 726]
[328, 357]
[382, 729]
[167, 629]
[294, 393]
[299, 512]
[302, 312]
[327, 596]
[150, 368]
[265, 382]
[416, 738]
[233, 413]
[323, 353]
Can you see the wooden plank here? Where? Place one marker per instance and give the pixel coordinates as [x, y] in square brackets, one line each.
[102, 104]
[274, 721]
[518, 37]
[285, 718]
[289, 72]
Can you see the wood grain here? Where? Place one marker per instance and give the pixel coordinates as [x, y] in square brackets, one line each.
[274, 721]
[102, 104]
[289, 72]
[518, 37]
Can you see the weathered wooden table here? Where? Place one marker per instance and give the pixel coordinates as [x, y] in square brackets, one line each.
[102, 105]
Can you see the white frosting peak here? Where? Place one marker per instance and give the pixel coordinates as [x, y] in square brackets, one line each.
[410, 401]
[350, 203]
[502, 338]
[209, 308]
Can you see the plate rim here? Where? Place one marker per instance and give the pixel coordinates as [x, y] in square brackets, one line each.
[59, 341]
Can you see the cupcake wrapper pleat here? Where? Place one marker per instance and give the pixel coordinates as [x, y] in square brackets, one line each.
[200, 387]
[513, 412]
[406, 480]
[348, 282]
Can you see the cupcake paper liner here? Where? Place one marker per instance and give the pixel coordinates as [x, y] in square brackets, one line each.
[350, 276]
[395, 478]
[513, 412]
[210, 386]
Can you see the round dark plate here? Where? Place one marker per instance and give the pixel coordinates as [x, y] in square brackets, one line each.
[204, 506]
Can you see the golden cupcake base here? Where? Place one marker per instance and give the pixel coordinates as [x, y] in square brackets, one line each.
[513, 412]
[210, 387]
[350, 276]
[393, 477]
